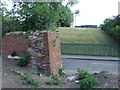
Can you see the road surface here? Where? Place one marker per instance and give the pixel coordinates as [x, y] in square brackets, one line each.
[70, 65]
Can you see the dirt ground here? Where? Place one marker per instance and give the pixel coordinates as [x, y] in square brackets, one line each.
[13, 80]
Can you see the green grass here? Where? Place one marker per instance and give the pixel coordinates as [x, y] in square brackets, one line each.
[84, 36]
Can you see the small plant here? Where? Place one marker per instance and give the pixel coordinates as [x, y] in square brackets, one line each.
[82, 74]
[25, 55]
[89, 82]
[60, 72]
[22, 62]
[30, 81]
[54, 77]
[24, 59]
[104, 71]
[53, 82]
[13, 53]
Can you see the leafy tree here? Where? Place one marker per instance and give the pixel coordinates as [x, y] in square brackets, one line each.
[112, 27]
[36, 16]
[66, 17]
[9, 21]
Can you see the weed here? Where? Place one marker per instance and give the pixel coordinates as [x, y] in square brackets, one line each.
[54, 77]
[25, 55]
[104, 71]
[30, 81]
[60, 72]
[24, 59]
[22, 62]
[53, 82]
[89, 82]
[82, 74]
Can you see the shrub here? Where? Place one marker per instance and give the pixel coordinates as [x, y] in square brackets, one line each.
[24, 61]
[112, 27]
[30, 81]
[89, 82]
[82, 74]
[13, 53]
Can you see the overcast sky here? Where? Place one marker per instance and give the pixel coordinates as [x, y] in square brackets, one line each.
[93, 12]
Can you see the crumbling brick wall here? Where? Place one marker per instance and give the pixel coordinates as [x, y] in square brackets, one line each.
[14, 42]
[54, 52]
[44, 47]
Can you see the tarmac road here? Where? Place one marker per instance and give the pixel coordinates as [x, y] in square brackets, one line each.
[70, 65]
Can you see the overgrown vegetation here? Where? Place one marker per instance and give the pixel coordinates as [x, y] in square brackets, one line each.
[30, 81]
[112, 27]
[24, 59]
[89, 82]
[82, 74]
[86, 79]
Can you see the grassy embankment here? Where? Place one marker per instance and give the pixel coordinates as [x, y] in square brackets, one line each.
[84, 36]
[80, 38]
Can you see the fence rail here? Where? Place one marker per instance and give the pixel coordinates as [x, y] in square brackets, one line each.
[90, 49]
